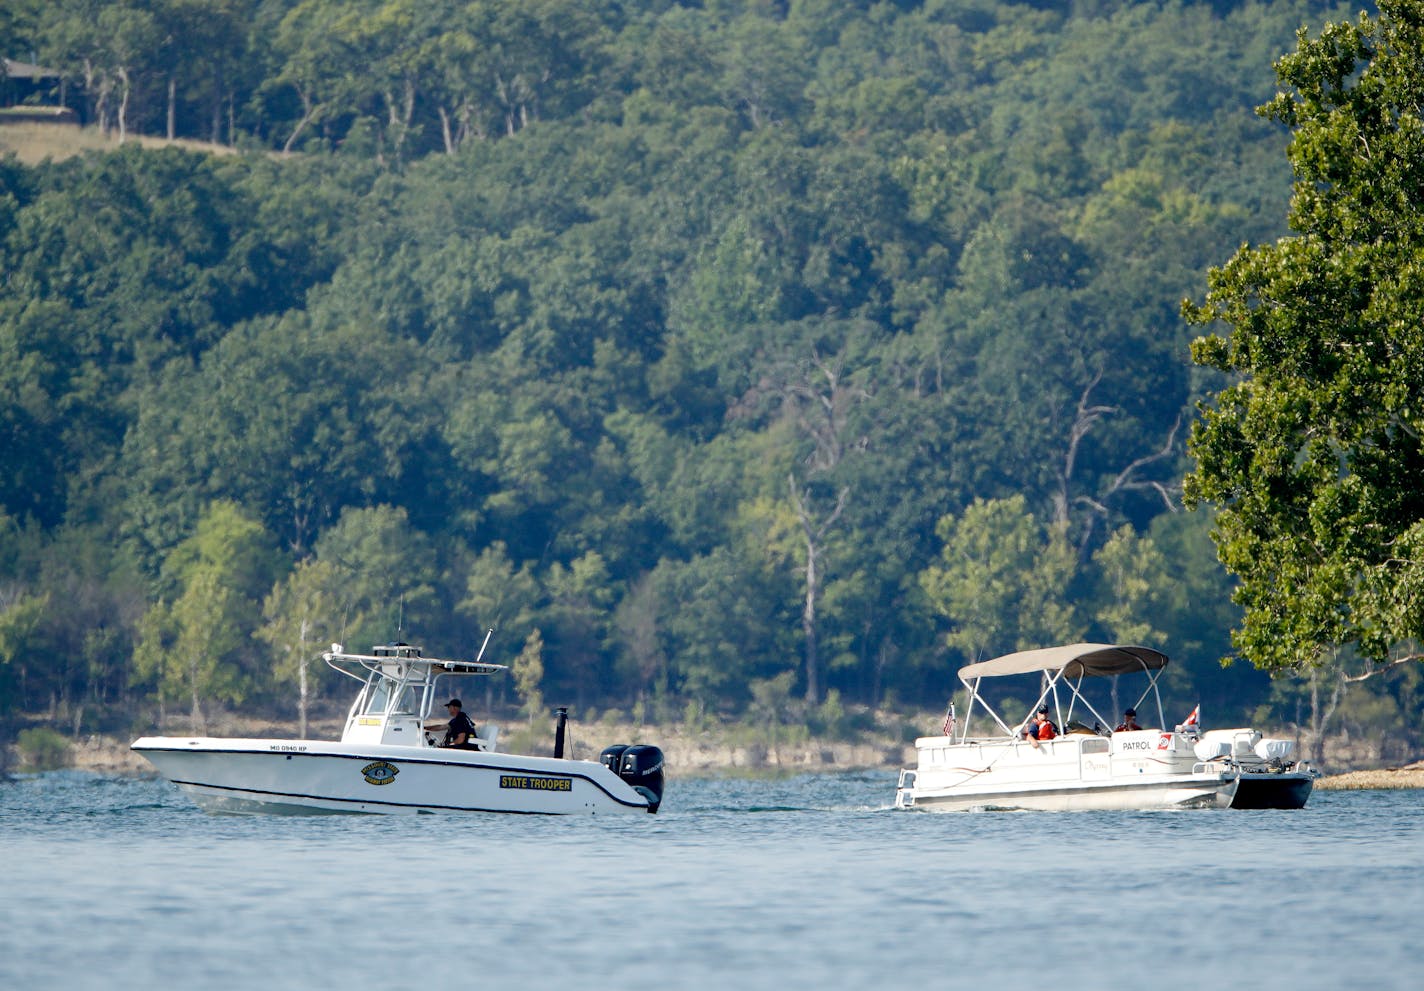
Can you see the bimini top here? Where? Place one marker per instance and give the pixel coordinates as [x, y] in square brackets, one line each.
[1075, 660]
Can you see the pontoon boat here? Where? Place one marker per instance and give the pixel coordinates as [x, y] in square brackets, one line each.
[1088, 766]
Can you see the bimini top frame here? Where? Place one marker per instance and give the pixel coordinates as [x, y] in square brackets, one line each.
[1067, 666]
[398, 678]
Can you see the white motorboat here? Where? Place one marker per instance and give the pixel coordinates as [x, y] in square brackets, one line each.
[1089, 766]
[388, 762]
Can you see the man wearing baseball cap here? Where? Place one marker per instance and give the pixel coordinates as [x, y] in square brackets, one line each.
[459, 731]
[1040, 727]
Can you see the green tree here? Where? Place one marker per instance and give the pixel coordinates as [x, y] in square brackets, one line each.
[581, 597]
[302, 613]
[198, 645]
[1130, 573]
[1312, 452]
[1003, 580]
[387, 568]
[529, 675]
[20, 613]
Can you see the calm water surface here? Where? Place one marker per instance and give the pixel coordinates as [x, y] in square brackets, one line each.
[808, 882]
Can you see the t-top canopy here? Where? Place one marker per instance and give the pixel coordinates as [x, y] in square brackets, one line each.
[402, 657]
[1075, 660]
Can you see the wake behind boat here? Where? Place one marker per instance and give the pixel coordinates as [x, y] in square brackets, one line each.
[1088, 766]
[388, 762]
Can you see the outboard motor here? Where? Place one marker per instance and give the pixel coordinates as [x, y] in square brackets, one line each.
[612, 757]
[642, 768]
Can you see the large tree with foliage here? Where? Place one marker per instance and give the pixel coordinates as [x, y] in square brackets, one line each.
[1315, 449]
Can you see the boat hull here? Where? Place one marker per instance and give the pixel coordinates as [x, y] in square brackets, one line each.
[302, 777]
[1274, 790]
[1138, 770]
[1213, 792]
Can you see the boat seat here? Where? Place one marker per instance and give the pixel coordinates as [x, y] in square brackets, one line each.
[487, 735]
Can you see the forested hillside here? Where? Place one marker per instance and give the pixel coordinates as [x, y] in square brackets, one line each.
[731, 358]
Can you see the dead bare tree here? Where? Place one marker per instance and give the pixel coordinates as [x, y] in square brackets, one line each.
[813, 532]
[1129, 479]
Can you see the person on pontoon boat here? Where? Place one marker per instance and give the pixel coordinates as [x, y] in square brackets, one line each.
[1040, 728]
[1129, 722]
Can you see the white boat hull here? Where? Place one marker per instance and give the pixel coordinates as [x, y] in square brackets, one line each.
[1144, 770]
[1210, 792]
[305, 777]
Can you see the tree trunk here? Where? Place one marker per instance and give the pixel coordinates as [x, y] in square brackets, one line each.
[812, 536]
[302, 689]
[307, 114]
[199, 725]
[1320, 714]
[172, 107]
[808, 625]
[303, 698]
[125, 90]
[445, 131]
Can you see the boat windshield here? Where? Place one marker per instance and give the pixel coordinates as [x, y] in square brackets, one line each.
[408, 700]
[378, 693]
[383, 695]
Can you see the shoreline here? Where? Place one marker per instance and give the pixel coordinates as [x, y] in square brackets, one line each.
[715, 752]
[1387, 778]
[107, 755]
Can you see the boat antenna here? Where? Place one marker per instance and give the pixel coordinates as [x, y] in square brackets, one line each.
[481, 654]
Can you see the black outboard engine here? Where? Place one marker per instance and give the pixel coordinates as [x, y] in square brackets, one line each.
[642, 768]
[612, 757]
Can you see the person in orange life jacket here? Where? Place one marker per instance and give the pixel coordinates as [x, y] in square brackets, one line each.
[1041, 728]
[1129, 722]
[459, 731]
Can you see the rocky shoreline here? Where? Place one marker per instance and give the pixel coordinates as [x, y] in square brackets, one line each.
[1408, 776]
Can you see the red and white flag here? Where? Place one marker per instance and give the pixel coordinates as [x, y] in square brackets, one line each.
[949, 721]
[1195, 718]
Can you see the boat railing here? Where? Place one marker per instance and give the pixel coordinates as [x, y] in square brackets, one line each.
[905, 788]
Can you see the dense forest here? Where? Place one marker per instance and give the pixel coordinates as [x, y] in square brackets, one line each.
[731, 359]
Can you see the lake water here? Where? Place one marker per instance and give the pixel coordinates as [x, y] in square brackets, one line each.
[807, 882]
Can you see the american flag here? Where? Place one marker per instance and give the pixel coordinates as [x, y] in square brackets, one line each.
[949, 721]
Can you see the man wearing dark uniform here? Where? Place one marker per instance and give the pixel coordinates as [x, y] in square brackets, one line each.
[459, 731]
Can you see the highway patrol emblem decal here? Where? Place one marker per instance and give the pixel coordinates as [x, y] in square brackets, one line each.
[380, 772]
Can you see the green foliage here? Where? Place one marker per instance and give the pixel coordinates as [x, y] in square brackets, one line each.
[198, 644]
[302, 615]
[669, 332]
[1310, 450]
[529, 675]
[1003, 583]
[42, 749]
[18, 619]
[1131, 574]
[385, 568]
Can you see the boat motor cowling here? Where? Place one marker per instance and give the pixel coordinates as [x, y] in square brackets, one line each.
[612, 757]
[643, 769]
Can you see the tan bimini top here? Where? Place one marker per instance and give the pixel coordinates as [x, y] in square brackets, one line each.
[1075, 660]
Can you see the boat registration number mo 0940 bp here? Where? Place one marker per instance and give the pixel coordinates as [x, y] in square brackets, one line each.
[529, 783]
